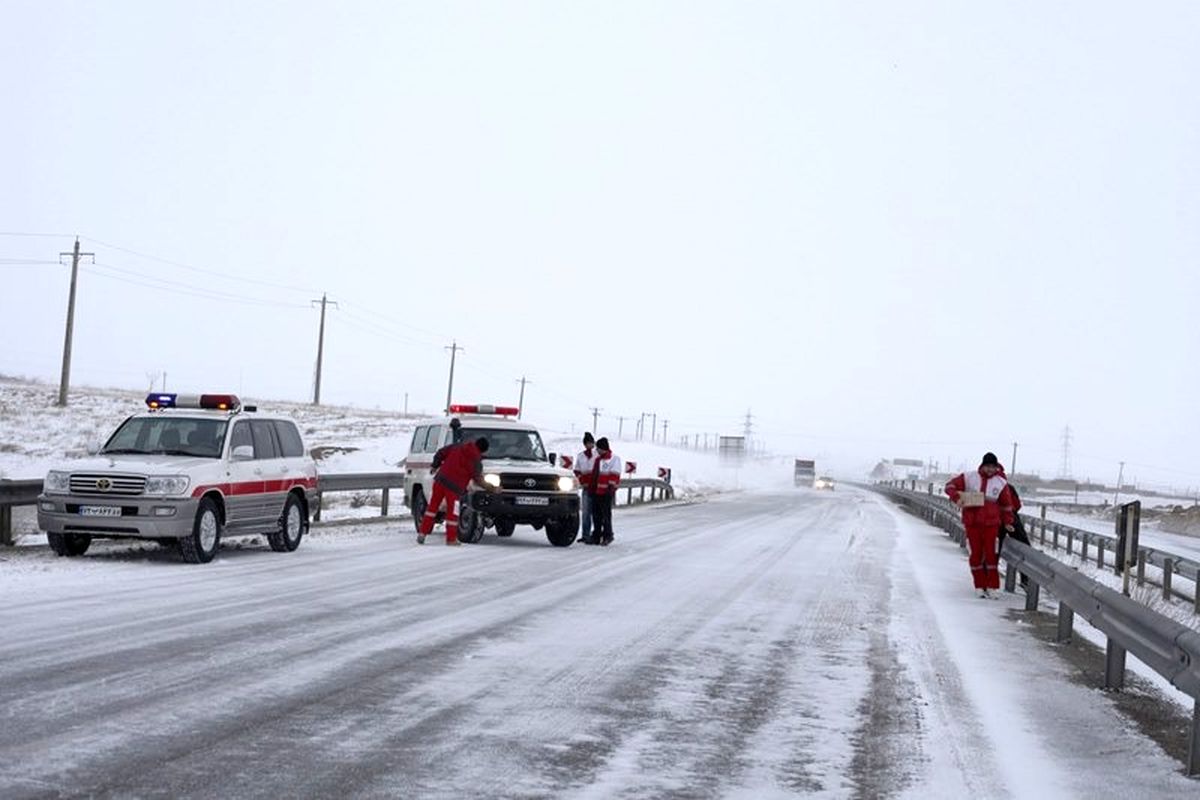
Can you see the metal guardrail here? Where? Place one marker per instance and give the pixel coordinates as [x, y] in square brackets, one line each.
[1168, 647]
[659, 490]
[25, 492]
[15, 493]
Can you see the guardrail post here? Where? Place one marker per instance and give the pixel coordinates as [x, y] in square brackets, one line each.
[1010, 578]
[1196, 590]
[1070, 540]
[384, 505]
[1066, 623]
[1193, 768]
[1083, 546]
[1100, 553]
[316, 517]
[1141, 568]
[6, 533]
[1114, 666]
[629, 497]
[1032, 591]
[642, 496]
[1168, 568]
[1057, 529]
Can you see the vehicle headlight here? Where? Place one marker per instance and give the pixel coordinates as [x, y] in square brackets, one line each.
[492, 479]
[566, 484]
[59, 482]
[166, 484]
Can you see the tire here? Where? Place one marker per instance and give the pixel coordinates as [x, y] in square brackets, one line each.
[202, 543]
[69, 544]
[505, 527]
[562, 531]
[293, 524]
[419, 504]
[470, 525]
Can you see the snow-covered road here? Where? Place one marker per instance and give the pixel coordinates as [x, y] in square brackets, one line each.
[757, 645]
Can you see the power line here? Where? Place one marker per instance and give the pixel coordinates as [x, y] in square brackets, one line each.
[201, 270]
[165, 285]
[37, 235]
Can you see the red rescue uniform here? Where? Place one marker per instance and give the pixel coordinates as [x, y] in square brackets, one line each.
[983, 522]
[459, 465]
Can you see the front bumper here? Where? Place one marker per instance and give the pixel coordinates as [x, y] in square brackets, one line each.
[140, 518]
[522, 507]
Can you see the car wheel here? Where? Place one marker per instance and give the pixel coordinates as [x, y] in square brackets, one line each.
[202, 543]
[505, 527]
[69, 544]
[293, 524]
[470, 526]
[419, 504]
[562, 531]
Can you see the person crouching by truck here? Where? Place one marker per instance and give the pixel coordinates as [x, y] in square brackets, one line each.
[987, 503]
[458, 466]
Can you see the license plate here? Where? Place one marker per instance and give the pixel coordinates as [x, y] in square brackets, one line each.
[523, 500]
[100, 511]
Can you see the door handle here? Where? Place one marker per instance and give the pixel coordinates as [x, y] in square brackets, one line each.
[258, 471]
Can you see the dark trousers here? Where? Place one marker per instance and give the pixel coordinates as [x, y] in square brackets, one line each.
[602, 518]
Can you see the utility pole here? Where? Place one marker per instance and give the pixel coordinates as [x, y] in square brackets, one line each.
[1013, 464]
[65, 383]
[665, 424]
[749, 429]
[641, 430]
[406, 404]
[521, 402]
[595, 420]
[621, 427]
[320, 349]
[1065, 472]
[653, 425]
[453, 348]
[1120, 477]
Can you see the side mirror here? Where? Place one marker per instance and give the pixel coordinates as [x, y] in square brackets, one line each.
[93, 447]
[243, 452]
[553, 459]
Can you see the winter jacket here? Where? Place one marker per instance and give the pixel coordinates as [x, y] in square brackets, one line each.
[997, 508]
[584, 462]
[460, 464]
[606, 473]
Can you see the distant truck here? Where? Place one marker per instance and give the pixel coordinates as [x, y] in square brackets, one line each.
[806, 472]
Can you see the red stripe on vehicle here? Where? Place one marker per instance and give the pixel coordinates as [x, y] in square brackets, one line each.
[256, 487]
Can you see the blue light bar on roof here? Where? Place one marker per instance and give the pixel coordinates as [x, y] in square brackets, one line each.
[156, 401]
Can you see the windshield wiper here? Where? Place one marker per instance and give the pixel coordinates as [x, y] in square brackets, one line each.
[170, 453]
[121, 451]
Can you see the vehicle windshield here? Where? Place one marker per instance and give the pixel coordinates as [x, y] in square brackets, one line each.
[165, 435]
[512, 444]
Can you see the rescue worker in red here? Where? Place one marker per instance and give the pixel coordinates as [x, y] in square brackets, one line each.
[604, 479]
[458, 466]
[987, 503]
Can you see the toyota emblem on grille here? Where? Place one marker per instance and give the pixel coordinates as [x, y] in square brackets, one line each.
[530, 483]
[103, 484]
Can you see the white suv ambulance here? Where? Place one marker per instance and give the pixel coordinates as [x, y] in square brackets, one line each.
[190, 470]
[533, 491]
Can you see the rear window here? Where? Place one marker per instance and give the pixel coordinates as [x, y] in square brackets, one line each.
[418, 440]
[289, 439]
[265, 445]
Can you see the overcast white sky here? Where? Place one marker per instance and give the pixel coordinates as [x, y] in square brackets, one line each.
[918, 229]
